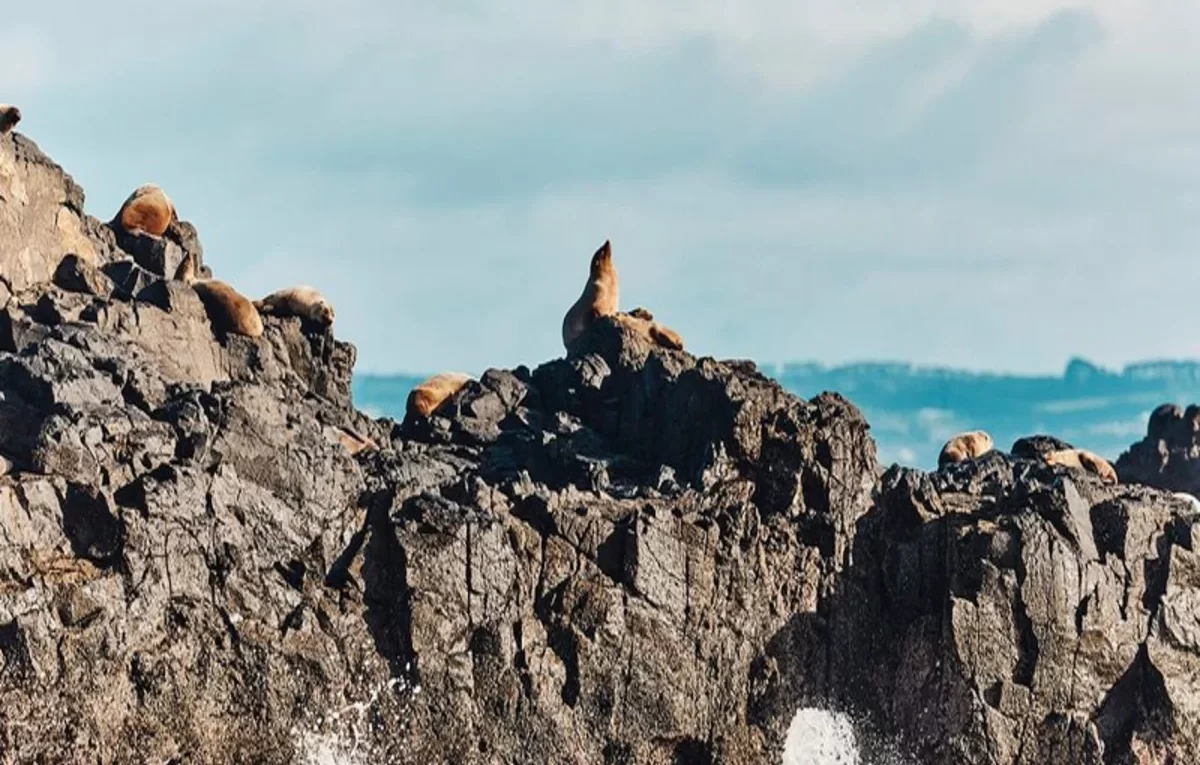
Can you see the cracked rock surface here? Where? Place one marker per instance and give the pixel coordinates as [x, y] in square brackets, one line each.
[626, 556]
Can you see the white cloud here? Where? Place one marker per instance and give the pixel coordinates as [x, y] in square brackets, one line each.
[972, 182]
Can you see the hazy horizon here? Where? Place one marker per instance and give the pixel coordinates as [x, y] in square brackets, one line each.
[982, 185]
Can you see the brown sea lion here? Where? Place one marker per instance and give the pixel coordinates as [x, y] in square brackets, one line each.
[148, 209]
[599, 298]
[654, 332]
[353, 441]
[965, 446]
[426, 397]
[228, 310]
[1082, 459]
[303, 301]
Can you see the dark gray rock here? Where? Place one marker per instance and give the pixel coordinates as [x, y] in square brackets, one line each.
[629, 555]
[1169, 455]
[81, 275]
[157, 254]
[129, 279]
[1033, 447]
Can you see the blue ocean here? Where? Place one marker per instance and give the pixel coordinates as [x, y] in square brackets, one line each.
[913, 410]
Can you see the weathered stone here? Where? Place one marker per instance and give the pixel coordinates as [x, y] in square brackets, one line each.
[81, 275]
[629, 555]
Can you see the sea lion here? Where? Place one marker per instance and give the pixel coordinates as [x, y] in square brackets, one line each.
[426, 397]
[9, 117]
[642, 322]
[303, 301]
[353, 441]
[148, 209]
[599, 298]
[1082, 459]
[965, 446]
[227, 309]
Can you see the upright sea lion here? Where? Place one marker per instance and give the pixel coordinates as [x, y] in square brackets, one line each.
[303, 301]
[9, 117]
[426, 397]
[227, 309]
[1082, 459]
[965, 446]
[599, 298]
[148, 209]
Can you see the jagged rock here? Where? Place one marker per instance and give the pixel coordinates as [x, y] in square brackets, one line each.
[628, 555]
[1034, 447]
[41, 215]
[157, 254]
[1169, 455]
[81, 275]
[1022, 614]
[129, 279]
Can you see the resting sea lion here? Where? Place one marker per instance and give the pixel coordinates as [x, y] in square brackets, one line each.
[642, 322]
[965, 446]
[1082, 459]
[227, 309]
[148, 209]
[303, 301]
[426, 397]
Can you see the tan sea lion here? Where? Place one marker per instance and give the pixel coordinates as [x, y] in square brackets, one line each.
[353, 441]
[426, 397]
[599, 298]
[303, 301]
[1082, 459]
[965, 446]
[9, 117]
[642, 322]
[148, 209]
[227, 309]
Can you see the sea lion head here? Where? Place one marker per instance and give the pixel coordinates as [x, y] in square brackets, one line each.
[602, 260]
[323, 312]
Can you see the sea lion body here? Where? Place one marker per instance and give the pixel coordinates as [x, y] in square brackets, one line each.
[426, 397]
[229, 310]
[965, 446]
[1082, 459]
[148, 209]
[600, 297]
[642, 322]
[352, 441]
[303, 301]
[9, 117]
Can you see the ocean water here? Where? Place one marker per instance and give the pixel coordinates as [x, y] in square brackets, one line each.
[914, 410]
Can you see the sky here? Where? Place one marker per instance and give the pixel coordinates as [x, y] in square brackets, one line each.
[984, 184]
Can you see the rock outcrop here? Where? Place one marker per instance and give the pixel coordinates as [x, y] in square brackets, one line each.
[1168, 457]
[630, 555]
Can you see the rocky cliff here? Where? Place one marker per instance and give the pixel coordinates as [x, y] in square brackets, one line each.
[628, 556]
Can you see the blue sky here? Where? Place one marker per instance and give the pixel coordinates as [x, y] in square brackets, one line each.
[985, 184]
